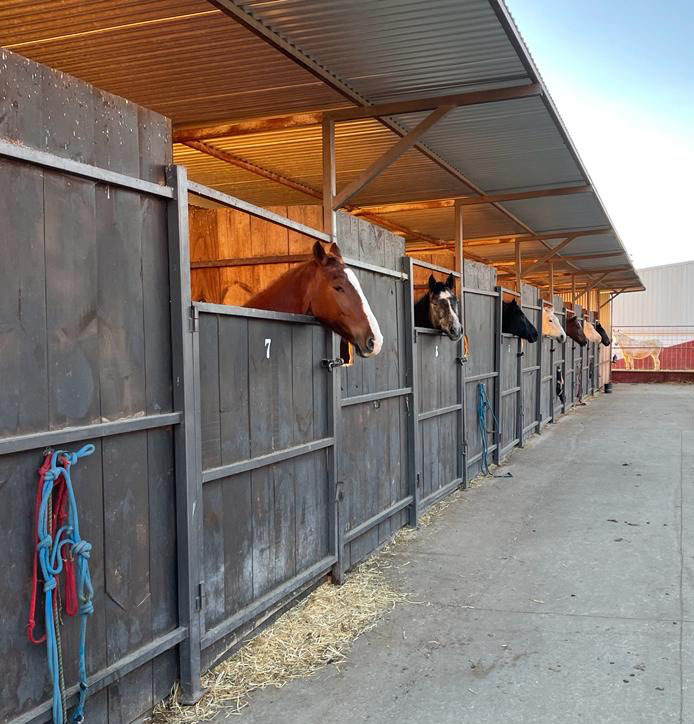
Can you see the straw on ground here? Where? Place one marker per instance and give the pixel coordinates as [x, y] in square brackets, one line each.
[316, 632]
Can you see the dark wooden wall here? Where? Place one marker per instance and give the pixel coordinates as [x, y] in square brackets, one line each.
[85, 339]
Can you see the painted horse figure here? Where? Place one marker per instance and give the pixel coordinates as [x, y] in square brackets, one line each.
[633, 349]
[604, 338]
[513, 321]
[438, 308]
[550, 324]
[574, 329]
[325, 288]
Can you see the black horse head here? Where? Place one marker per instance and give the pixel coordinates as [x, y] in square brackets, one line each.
[603, 334]
[513, 321]
[438, 308]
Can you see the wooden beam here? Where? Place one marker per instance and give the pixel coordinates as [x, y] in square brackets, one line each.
[329, 177]
[247, 127]
[588, 288]
[456, 100]
[250, 261]
[612, 296]
[468, 200]
[551, 282]
[389, 157]
[546, 257]
[253, 168]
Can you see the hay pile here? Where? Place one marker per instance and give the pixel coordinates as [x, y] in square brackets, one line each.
[318, 631]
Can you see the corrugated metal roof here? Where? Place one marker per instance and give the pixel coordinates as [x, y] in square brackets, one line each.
[395, 49]
[182, 58]
[189, 60]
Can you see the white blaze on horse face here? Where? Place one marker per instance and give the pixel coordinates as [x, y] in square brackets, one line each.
[445, 318]
[375, 329]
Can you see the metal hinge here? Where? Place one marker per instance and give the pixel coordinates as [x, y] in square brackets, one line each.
[200, 598]
[418, 480]
[193, 319]
[339, 491]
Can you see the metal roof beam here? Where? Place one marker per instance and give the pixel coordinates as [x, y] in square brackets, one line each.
[418, 105]
[468, 200]
[389, 157]
[547, 256]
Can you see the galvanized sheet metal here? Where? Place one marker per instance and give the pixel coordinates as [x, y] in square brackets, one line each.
[396, 49]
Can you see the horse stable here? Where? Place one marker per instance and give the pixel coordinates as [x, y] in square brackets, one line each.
[162, 163]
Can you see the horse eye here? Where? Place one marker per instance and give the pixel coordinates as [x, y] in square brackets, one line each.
[338, 289]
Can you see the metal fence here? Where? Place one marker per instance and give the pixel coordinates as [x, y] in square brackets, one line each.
[665, 348]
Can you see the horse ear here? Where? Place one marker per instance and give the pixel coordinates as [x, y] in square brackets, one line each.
[319, 252]
[335, 250]
[450, 282]
[432, 283]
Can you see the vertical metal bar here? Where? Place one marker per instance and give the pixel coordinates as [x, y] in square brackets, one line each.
[551, 283]
[329, 178]
[460, 391]
[538, 383]
[520, 382]
[413, 451]
[553, 372]
[498, 438]
[573, 288]
[337, 520]
[187, 461]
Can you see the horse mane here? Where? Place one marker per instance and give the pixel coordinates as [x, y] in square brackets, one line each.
[286, 293]
[421, 312]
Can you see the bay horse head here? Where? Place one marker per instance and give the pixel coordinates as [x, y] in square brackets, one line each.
[442, 307]
[603, 334]
[590, 332]
[334, 296]
[550, 324]
[573, 328]
[513, 321]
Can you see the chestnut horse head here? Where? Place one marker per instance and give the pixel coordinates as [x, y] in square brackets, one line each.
[573, 328]
[550, 324]
[604, 338]
[590, 332]
[325, 288]
[438, 308]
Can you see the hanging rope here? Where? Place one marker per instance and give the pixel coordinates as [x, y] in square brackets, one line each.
[482, 407]
[55, 533]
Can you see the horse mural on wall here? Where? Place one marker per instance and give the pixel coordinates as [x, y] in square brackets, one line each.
[514, 321]
[638, 349]
[325, 288]
[604, 338]
[550, 324]
[438, 308]
[574, 329]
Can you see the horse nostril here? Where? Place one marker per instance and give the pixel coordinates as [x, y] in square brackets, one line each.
[370, 344]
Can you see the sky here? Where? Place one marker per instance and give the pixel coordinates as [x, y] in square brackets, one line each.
[621, 73]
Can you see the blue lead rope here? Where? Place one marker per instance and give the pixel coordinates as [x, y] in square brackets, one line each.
[51, 561]
[482, 407]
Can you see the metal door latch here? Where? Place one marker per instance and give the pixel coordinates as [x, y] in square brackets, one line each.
[330, 364]
[461, 360]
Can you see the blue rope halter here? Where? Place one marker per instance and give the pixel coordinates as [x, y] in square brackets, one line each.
[482, 407]
[51, 561]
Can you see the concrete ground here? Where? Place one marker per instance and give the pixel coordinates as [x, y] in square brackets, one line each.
[563, 594]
